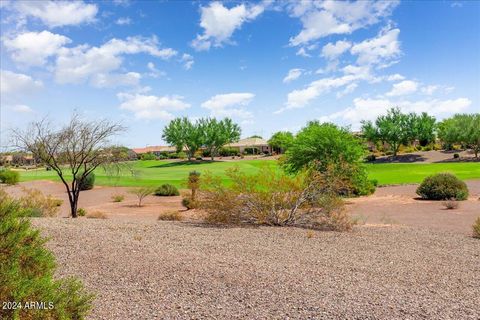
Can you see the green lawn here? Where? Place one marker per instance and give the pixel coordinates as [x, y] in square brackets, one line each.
[157, 172]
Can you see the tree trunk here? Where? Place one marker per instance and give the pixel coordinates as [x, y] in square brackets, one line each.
[73, 205]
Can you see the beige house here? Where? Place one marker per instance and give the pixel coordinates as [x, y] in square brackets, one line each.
[156, 150]
[258, 145]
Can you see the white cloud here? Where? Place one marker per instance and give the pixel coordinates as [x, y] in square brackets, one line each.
[123, 21]
[334, 50]
[109, 80]
[324, 18]
[81, 63]
[155, 73]
[293, 74]
[395, 77]
[188, 61]
[58, 13]
[17, 84]
[370, 109]
[150, 106]
[33, 48]
[403, 88]
[381, 49]
[303, 53]
[429, 90]
[219, 23]
[21, 108]
[229, 105]
[348, 89]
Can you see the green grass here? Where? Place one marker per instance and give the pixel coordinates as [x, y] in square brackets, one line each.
[155, 173]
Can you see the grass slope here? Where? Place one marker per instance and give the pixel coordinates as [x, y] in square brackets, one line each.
[158, 172]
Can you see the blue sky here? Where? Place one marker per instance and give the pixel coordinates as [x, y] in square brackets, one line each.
[268, 65]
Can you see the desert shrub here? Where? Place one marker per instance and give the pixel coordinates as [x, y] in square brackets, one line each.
[36, 204]
[118, 197]
[370, 158]
[188, 203]
[27, 271]
[81, 212]
[456, 156]
[97, 215]
[167, 190]
[148, 156]
[170, 216]
[141, 193]
[476, 228]
[443, 186]
[8, 176]
[274, 198]
[228, 152]
[88, 182]
[451, 204]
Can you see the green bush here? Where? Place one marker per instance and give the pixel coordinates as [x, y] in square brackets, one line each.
[81, 212]
[167, 190]
[228, 152]
[27, 271]
[443, 186]
[148, 156]
[88, 182]
[9, 177]
[181, 155]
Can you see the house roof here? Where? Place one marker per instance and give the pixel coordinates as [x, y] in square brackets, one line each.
[154, 149]
[249, 142]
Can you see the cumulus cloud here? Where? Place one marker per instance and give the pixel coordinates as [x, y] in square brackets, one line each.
[323, 18]
[293, 74]
[403, 88]
[230, 105]
[370, 109]
[429, 90]
[219, 23]
[151, 106]
[379, 50]
[17, 84]
[188, 61]
[154, 72]
[33, 48]
[57, 13]
[334, 50]
[123, 21]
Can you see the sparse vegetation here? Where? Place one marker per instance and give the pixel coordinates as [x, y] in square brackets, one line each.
[81, 212]
[118, 197]
[170, 216]
[36, 204]
[97, 215]
[141, 193]
[167, 190]
[27, 271]
[476, 228]
[451, 204]
[443, 186]
[8, 176]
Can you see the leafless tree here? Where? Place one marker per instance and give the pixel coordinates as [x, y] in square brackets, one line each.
[73, 151]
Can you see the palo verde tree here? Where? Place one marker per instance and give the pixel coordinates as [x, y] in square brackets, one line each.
[281, 141]
[218, 133]
[73, 151]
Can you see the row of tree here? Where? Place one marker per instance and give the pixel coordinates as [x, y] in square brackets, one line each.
[208, 133]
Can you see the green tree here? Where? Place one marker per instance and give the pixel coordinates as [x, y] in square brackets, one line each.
[218, 133]
[463, 129]
[425, 127]
[182, 133]
[326, 147]
[392, 128]
[281, 141]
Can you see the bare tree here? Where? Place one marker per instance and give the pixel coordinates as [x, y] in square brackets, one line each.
[76, 149]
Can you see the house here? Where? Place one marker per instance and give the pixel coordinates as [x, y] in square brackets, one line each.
[251, 145]
[156, 150]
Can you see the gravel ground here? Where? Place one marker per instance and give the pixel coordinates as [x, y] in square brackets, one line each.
[178, 270]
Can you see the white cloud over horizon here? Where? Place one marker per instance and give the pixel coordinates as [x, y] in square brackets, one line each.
[149, 107]
[230, 105]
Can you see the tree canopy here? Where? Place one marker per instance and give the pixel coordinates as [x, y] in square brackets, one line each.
[218, 133]
[281, 141]
[462, 129]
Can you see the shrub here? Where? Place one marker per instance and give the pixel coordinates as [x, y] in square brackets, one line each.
[181, 155]
[228, 152]
[148, 156]
[272, 198]
[27, 271]
[188, 203]
[36, 204]
[81, 212]
[97, 215]
[456, 156]
[443, 186]
[88, 182]
[141, 193]
[476, 228]
[170, 216]
[167, 190]
[451, 204]
[9, 177]
[172, 155]
[118, 197]
[370, 158]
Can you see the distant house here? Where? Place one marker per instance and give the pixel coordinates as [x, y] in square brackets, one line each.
[17, 159]
[156, 150]
[255, 145]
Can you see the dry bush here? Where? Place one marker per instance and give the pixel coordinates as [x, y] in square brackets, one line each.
[170, 216]
[118, 197]
[97, 215]
[141, 193]
[274, 198]
[451, 204]
[310, 234]
[476, 228]
[39, 205]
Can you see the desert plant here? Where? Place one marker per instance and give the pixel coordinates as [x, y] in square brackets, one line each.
[170, 216]
[451, 204]
[36, 204]
[274, 198]
[118, 197]
[87, 182]
[97, 215]
[27, 270]
[188, 203]
[8, 176]
[443, 186]
[81, 212]
[476, 228]
[167, 190]
[141, 193]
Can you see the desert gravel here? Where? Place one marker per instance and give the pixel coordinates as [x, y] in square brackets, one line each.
[179, 270]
